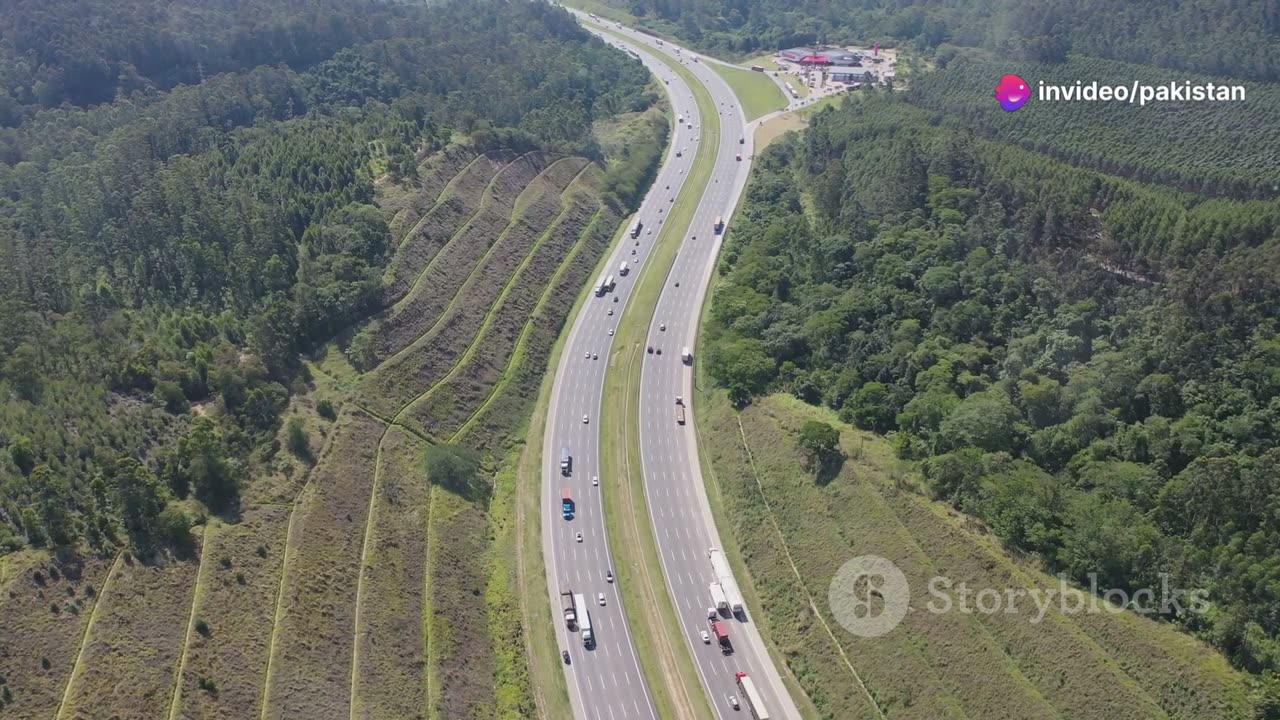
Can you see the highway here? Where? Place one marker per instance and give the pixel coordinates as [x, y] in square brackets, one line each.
[606, 681]
[682, 522]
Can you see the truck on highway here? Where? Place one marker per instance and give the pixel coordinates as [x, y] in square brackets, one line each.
[719, 228]
[584, 622]
[721, 633]
[566, 504]
[571, 611]
[719, 598]
[608, 283]
[755, 704]
[566, 461]
[635, 229]
[687, 356]
[680, 414]
[720, 565]
[623, 269]
[600, 287]
[757, 68]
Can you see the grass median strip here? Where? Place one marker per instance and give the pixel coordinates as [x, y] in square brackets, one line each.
[663, 653]
[758, 94]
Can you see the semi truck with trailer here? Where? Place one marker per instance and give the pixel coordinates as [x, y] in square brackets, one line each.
[718, 598]
[755, 704]
[584, 621]
[721, 633]
[720, 565]
[570, 611]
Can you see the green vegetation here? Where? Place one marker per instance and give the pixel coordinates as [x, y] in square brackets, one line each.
[1220, 38]
[171, 261]
[795, 531]
[757, 92]
[1083, 362]
[1198, 147]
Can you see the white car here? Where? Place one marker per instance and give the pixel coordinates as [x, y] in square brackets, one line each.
[663, 327]
[610, 332]
[593, 355]
[595, 480]
[588, 355]
[585, 419]
[600, 599]
[633, 252]
[706, 639]
[579, 537]
[733, 701]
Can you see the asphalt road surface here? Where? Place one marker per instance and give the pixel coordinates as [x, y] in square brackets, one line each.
[605, 681]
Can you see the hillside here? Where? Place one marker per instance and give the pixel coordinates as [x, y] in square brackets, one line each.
[206, 509]
[797, 522]
[1083, 362]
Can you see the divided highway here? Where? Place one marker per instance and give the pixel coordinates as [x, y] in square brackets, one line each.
[605, 681]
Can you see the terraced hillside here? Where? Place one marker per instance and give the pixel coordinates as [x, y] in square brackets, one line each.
[795, 532]
[348, 583]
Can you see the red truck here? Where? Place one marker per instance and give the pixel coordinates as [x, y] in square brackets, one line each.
[721, 632]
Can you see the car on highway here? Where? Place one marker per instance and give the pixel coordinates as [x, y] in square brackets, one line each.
[588, 355]
[585, 419]
[565, 654]
[706, 639]
[594, 356]
[595, 480]
[733, 702]
[662, 327]
[608, 576]
[578, 537]
[610, 332]
[650, 350]
[633, 252]
[600, 599]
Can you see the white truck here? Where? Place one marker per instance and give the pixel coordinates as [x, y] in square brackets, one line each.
[623, 269]
[687, 356]
[720, 565]
[584, 624]
[718, 597]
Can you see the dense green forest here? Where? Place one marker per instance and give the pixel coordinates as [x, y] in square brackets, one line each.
[1086, 363]
[170, 247]
[1230, 37]
[1228, 149]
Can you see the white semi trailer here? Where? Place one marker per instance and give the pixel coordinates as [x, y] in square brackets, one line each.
[721, 567]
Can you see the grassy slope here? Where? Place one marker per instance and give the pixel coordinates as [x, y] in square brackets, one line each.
[758, 94]
[34, 635]
[663, 653]
[1067, 666]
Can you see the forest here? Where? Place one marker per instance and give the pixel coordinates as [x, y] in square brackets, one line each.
[170, 248]
[1086, 363]
[1226, 37]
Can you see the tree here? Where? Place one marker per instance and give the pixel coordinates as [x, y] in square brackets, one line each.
[141, 497]
[870, 408]
[296, 438]
[985, 420]
[820, 440]
[455, 468]
[743, 363]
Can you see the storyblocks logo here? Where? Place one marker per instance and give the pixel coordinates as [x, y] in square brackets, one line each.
[869, 596]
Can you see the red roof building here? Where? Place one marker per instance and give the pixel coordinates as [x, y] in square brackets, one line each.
[815, 60]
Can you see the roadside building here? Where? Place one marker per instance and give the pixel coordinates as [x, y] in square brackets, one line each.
[796, 54]
[839, 56]
[847, 74]
[812, 60]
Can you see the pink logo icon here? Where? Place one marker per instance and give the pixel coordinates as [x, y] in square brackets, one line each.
[1012, 92]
